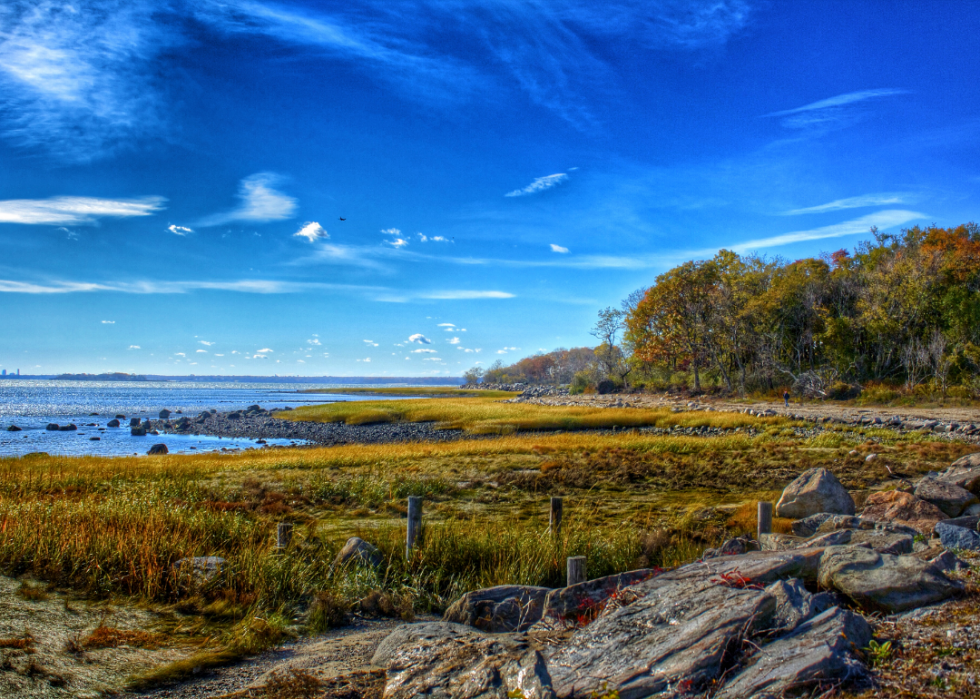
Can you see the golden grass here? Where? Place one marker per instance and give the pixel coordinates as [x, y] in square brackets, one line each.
[430, 392]
[490, 416]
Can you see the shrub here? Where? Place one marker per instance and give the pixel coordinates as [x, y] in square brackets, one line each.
[841, 390]
[579, 383]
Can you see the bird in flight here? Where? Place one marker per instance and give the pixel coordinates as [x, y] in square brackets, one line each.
[342, 218]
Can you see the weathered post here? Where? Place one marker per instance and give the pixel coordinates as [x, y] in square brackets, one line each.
[414, 523]
[576, 570]
[554, 519]
[284, 533]
[765, 519]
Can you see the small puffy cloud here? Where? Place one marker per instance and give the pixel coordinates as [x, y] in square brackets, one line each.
[397, 242]
[366, 359]
[205, 343]
[264, 351]
[235, 352]
[432, 359]
[453, 340]
[432, 238]
[258, 356]
[179, 230]
[179, 354]
[300, 361]
[390, 231]
[472, 350]
[446, 325]
[420, 339]
[540, 184]
[505, 350]
[558, 248]
[108, 322]
[423, 351]
[312, 231]
[219, 355]
[313, 341]
[202, 351]
[371, 342]
[135, 347]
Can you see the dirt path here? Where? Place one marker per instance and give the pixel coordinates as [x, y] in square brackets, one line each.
[329, 655]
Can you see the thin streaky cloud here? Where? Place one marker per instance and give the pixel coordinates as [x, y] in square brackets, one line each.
[558, 248]
[540, 184]
[76, 210]
[840, 101]
[260, 202]
[852, 203]
[179, 230]
[463, 295]
[882, 219]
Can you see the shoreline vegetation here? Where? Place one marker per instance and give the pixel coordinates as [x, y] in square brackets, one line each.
[416, 391]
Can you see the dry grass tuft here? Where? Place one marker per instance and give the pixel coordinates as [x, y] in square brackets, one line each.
[108, 637]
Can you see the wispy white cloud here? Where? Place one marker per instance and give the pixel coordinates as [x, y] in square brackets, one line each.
[75, 210]
[432, 238]
[558, 248]
[201, 351]
[205, 343]
[423, 351]
[260, 201]
[453, 340]
[465, 294]
[540, 184]
[420, 339]
[882, 219]
[179, 230]
[397, 242]
[108, 322]
[852, 203]
[372, 343]
[313, 341]
[249, 286]
[312, 231]
[135, 347]
[264, 351]
[831, 112]
[446, 325]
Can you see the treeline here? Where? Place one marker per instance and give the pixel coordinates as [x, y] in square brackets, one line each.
[558, 367]
[900, 310]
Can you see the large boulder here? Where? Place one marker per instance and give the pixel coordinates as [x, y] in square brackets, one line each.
[70, 427]
[964, 472]
[822, 651]
[499, 609]
[903, 508]
[948, 497]
[795, 604]
[813, 492]
[883, 582]
[452, 661]
[53, 427]
[358, 551]
[112, 423]
[13, 428]
[164, 414]
[158, 450]
[582, 602]
[134, 422]
[953, 536]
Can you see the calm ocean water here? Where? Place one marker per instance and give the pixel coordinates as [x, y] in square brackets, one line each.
[31, 405]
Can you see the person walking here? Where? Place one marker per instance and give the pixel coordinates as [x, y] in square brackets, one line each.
[786, 398]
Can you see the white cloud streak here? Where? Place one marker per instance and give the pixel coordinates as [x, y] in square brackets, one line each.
[540, 184]
[260, 202]
[559, 249]
[833, 111]
[75, 210]
[852, 203]
[882, 219]
[179, 230]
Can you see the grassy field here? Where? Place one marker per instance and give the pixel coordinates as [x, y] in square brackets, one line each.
[428, 392]
[113, 528]
[487, 415]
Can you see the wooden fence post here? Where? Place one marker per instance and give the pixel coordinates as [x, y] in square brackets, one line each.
[554, 518]
[576, 570]
[284, 533]
[414, 523]
[765, 519]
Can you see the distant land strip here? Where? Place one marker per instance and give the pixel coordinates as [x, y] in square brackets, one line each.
[352, 380]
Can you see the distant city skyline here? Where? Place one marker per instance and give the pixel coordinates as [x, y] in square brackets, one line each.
[409, 189]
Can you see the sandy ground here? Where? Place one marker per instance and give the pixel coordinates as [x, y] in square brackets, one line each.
[46, 667]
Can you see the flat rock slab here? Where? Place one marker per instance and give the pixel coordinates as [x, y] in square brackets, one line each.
[956, 537]
[964, 472]
[587, 598]
[821, 653]
[673, 642]
[452, 661]
[883, 582]
[814, 491]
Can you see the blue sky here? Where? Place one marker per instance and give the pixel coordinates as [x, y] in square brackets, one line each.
[173, 174]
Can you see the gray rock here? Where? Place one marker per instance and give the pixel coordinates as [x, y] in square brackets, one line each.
[71, 427]
[452, 661]
[198, 570]
[134, 422]
[884, 541]
[568, 603]
[733, 547]
[498, 609]
[956, 537]
[884, 582]
[164, 414]
[948, 497]
[964, 472]
[949, 562]
[834, 538]
[815, 491]
[358, 551]
[795, 604]
[821, 651]
[13, 428]
[158, 449]
[53, 427]
[112, 423]
[837, 522]
[971, 511]
[679, 632]
[808, 525]
[137, 431]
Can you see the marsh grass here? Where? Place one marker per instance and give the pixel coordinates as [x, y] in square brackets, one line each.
[483, 415]
[428, 392]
